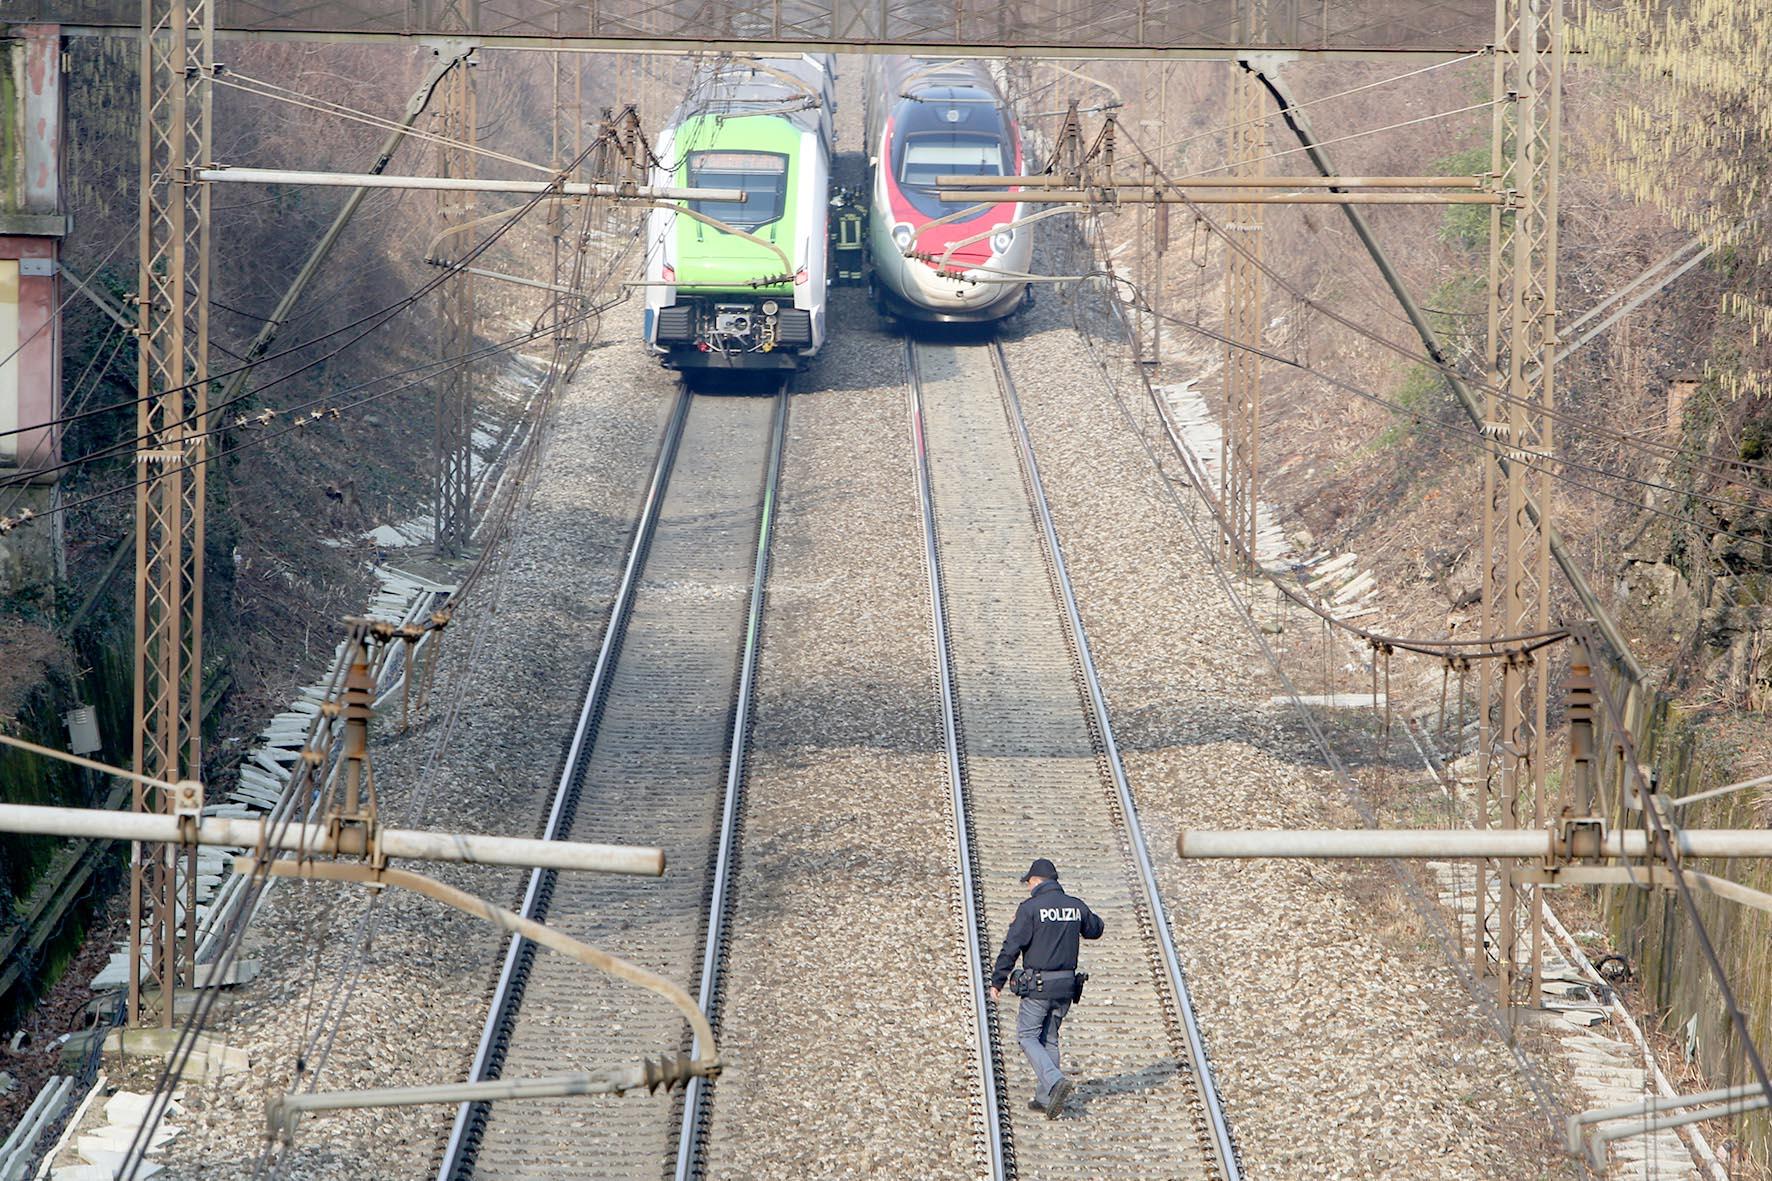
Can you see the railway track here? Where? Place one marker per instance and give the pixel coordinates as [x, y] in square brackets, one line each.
[1036, 772]
[657, 758]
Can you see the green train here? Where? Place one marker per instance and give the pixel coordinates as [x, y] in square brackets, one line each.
[741, 285]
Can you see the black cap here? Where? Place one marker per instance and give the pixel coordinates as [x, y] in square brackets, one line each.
[1041, 868]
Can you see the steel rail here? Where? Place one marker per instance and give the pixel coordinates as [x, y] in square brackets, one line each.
[998, 1149]
[696, 1107]
[507, 997]
[1223, 1146]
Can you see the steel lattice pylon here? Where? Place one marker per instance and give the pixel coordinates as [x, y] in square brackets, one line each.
[1522, 355]
[453, 453]
[1258, 21]
[177, 65]
[1239, 472]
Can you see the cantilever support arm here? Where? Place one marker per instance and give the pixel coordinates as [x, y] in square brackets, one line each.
[323, 840]
[667, 1071]
[283, 1112]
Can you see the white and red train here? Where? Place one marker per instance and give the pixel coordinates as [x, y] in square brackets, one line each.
[936, 261]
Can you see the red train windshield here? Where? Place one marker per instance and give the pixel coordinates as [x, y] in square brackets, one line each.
[948, 131]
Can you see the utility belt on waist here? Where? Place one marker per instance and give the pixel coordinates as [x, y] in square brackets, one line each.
[1040, 984]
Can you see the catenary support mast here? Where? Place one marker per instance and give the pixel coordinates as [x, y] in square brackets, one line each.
[172, 299]
[1522, 350]
[453, 453]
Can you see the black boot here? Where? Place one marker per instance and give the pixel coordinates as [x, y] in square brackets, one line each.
[1061, 1091]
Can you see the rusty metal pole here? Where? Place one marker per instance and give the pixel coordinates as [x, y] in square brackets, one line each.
[1489, 545]
[1240, 472]
[358, 807]
[1522, 350]
[1160, 215]
[172, 299]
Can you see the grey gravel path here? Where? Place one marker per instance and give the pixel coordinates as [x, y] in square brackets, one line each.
[846, 1026]
[656, 776]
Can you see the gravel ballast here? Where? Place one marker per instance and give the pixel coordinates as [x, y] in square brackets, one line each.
[515, 661]
[846, 983]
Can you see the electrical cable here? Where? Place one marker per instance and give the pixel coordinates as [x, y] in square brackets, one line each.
[330, 412]
[1214, 132]
[1484, 105]
[80, 395]
[1499, 647]
[54, 318]
[388, 312]
[271, 90]
[1407, 353]
[439, 365]
[1522, 455]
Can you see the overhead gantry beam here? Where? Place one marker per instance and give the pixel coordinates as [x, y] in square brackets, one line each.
[993, 28]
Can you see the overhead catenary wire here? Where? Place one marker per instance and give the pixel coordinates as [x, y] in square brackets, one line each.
[1391, 80]
[53, 318]
[1492, 647]
[375, 319]
[1587, 426]
[270, 90]
[1524, 456]
[1403, 351]
[80, 396]
[427, 369]
[1284, 152]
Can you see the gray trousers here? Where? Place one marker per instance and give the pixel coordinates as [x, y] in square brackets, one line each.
[1036, 1028]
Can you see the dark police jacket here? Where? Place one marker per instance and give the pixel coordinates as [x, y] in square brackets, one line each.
[1045, 933]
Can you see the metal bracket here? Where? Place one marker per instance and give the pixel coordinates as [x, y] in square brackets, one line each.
[666, 1071]
[1581, 838]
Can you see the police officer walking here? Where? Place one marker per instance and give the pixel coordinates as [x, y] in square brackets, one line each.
[1044, 937]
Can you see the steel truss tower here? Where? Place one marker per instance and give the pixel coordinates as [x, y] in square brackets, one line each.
[172, 298]
[1522, 343]
[1239, 471]
[1259, 22]
[453, 454]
